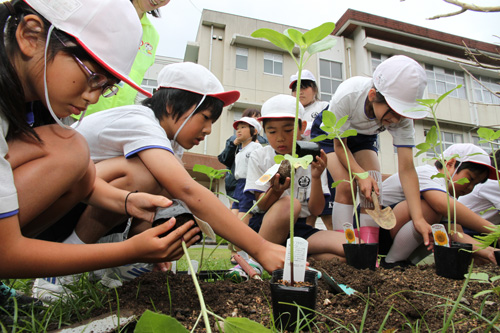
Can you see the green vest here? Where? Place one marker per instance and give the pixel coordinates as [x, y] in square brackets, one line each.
[145, 58]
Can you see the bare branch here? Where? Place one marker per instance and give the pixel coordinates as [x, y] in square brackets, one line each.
[497, 93]
[465, 7]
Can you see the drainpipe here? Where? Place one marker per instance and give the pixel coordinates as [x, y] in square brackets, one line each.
[205, 145]
[349, 59]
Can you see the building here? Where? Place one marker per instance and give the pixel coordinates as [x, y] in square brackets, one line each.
[260, 70]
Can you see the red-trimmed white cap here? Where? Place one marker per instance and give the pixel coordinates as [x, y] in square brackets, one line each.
[401, 80]
[109, 30]
[195, 78]
[306, 75]
[250, 121]
[467, 152]
[281, 106]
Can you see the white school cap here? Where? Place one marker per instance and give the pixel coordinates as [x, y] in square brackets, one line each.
[401, 80]
[250, 121]
[281, 106]
[467, 152]
[197, 79]
[109, 30]
[306, 75]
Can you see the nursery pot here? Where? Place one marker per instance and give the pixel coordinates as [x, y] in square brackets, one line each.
[452, 262]
[497, 256]
[361, 256]
[285, 315]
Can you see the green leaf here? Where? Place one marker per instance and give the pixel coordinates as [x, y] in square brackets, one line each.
[278, 159]
[319, 138]
[361, 175]
[480, 277]
[427, 102]
[316, 34]
[423, 146]
[202, 169]
[335, 184]
[481, 293]
[295, 36]
[432, 136]
[242, 325]
[151, 322]
[462, 181]
[443, 96]
[322, 45]
[341, 122]
[278, 39]
[485, 133]
[438, 175]
[349, 132]
[329, 118]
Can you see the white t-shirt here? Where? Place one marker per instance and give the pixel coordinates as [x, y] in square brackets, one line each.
[484, 196]
[241, 160]
[9, 205]
[262, 159]
[349, 99]
[310, 113]
[393, 191]
[123, 131]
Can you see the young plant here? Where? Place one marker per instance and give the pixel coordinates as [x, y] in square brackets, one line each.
[212, 174]
[332, 126]
[309, 43]
[434, 142]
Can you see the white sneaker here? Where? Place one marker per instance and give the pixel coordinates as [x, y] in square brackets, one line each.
[51, 290]
[114, 277]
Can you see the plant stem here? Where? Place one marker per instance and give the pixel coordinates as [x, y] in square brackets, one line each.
[351, 180]
[198, 289]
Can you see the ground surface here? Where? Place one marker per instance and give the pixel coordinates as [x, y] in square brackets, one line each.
[383, 288]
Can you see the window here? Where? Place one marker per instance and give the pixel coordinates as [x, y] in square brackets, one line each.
[441, 80]
[148, 85]
[481, 94]
[330, 77]
[273, 63]
[241, 58]
[377, 59]
[449, 139]
[485, 145]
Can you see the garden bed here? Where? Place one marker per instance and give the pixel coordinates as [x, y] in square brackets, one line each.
[417, 297]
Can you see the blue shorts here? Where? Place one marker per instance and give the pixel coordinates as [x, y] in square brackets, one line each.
[327, 210]
[355, 143]
[302, 229]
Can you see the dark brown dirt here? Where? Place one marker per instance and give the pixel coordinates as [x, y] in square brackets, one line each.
[416, 295]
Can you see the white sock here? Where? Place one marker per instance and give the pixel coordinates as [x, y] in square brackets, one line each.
[366, 220]
[73, 239]
[341, 213]
[405, 242]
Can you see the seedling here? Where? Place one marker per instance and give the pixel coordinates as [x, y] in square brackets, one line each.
[309, 43]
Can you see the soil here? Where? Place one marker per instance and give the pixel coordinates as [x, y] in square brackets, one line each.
[416, 296]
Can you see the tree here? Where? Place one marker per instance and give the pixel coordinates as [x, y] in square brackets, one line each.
[465, 7]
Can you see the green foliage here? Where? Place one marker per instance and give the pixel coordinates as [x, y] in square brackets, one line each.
[295, 161]
[243, 325]
[151, 322]
[434, 143]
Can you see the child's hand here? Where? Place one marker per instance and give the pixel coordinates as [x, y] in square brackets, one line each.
[271, 256]
[366, 186]
[149, 247]
[319, 165]
[276, 186]
[143, 205]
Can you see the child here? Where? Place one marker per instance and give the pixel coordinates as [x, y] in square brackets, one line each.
[476, 168]
[134, 148]
[313, 106]
[63, 63]
[373, 106]
[247, 130]
[483, 197]
[278, 114]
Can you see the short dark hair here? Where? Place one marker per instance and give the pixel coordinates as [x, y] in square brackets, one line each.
[476, 168]
[254, 113]
[180, 101]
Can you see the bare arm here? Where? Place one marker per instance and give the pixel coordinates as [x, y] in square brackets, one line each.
[204, 204]
[317, 198]
[409, 181]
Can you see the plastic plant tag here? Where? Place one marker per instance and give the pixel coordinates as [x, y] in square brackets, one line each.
[173, 268]
[195, 267]
[440, 235]
[268, 175]
[350, 236]
[205, 228]
[300, 246]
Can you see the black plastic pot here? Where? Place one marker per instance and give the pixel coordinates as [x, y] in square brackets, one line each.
[285, 316]
[361, 256]
[497, 256]
[452, 262]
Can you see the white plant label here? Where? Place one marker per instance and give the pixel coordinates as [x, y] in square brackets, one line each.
[268, 175]
[440, 235]
[300, 246]
[349, 233]
[174, 267]
[195, 267]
